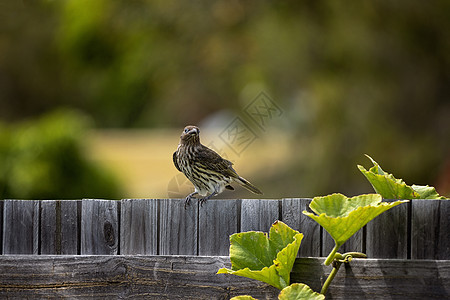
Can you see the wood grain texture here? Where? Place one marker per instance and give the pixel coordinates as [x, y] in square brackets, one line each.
[378, 278]
[178, 227]
[292, 215]
[430, 236]
[163, 226]
[120, 277]
[99, 227]
[49, 230]
[1, 226]
[21, 227]
[387, 234]
[193, 277]
[258, 215]
[218, 219]
[139, 226]
[70, 227]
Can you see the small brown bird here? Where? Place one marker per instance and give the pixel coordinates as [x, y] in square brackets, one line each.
[208, 171]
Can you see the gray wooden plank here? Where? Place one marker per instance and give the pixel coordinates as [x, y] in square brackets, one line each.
[1, 226]
[387, 234]
[123, 277]
[193, 277]
[70, 238]
[292, 215]
[178, 227]
[21, 227]
[443, 247]
[258, 214]
[49, 231]
[430, 237]
[218, 219]
[138, 226]
[99, 227]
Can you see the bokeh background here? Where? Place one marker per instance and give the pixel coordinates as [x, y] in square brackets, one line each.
[94, 94]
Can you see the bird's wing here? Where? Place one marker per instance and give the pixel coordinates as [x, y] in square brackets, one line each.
[213, 161]
[174, 157]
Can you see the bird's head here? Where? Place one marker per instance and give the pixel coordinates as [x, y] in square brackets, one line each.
[190, 134]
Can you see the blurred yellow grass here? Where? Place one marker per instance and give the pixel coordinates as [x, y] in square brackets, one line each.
[142, 159]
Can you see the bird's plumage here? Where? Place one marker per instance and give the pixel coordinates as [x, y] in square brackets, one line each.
[208, 171]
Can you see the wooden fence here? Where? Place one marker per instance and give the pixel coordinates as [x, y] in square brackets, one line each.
[154, 248]
[416, 230]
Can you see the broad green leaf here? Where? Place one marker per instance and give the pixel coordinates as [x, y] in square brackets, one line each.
[426, 192]
[299, 291]
[342, 217]
[387, 185]
[390, 187]
[270, 260]
[337, 205]
[244, 297]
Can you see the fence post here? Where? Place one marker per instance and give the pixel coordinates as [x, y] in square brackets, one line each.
[218, 219]
[99, 227]
[138, 226]
[178, 227]
[292, 215]
[21, 227]
[387, 234]
[258, 215]
[430, 236]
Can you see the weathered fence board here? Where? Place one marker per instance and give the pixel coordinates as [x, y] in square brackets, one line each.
[139, 226]
[122, 277]
[258, 215]
[1, 224]
[194, 277]
[99, 227]
[21, 218]
[387, 234]
[69, 214]
[163, 226]
[292, 215]
[218, 219]
[178, 227]
[430, 237]
[49, 241]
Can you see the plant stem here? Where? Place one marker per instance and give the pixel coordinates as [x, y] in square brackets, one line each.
[336, 266]
[338, 259]
[355, 254]
[330, 256]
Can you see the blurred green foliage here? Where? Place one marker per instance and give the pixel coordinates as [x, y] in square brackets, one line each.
[352, 78]
[44, 159]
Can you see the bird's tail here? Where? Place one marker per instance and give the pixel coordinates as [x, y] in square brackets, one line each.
[246, 184]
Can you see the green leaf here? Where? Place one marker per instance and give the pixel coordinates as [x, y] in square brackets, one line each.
[342, 217]
[337, 205]
[390, 187]
[426, 192]
[270, 260]
[244, 297]
[299, 291]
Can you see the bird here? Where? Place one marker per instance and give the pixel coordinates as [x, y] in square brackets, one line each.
[206, 170]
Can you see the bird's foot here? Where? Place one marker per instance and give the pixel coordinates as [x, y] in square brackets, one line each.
[189, 198]
[203, 200]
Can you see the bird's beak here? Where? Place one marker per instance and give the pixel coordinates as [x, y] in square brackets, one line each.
[193, 131]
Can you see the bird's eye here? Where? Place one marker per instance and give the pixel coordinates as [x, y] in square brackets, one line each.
[186, 130]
